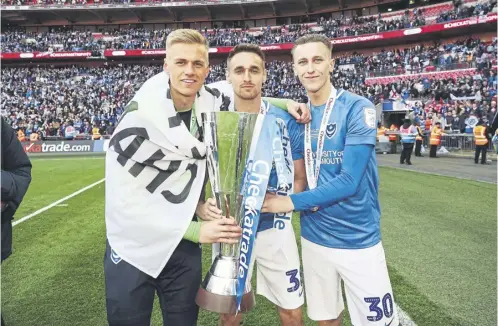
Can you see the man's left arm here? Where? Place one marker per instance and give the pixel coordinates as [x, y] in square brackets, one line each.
[355, 161]
[224, 91]
[299, 111]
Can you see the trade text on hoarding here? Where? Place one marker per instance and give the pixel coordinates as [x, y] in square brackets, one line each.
[56, 147]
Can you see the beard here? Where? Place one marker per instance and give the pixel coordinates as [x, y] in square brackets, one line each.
[247, 96]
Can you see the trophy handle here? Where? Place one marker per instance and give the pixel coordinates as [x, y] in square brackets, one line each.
[227, 205]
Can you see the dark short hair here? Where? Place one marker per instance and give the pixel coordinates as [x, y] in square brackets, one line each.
[246, 47]
[313, 38]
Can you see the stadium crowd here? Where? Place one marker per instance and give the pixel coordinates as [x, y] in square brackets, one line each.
[65, 39]
[47, 100]
[463, 53]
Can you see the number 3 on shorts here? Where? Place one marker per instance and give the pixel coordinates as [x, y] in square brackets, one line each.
[293, 280]
[387, 308]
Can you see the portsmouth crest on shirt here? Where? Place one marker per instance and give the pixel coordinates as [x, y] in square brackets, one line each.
[331, 130]
[115, 257]
[369, 117]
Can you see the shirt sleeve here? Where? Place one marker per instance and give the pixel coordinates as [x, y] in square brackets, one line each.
[280, 103]
[296, 135]
[226, 96]
[193, 232]
[361, 124]
[344, 185]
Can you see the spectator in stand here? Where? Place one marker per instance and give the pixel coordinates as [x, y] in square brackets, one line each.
[46, 100]
[69, 130]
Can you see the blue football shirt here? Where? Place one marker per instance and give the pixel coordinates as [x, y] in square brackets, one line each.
[352, 223]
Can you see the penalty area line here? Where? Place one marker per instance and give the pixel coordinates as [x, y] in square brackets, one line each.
[55, 203]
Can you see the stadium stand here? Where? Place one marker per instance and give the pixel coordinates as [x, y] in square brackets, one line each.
[429, 77]
[46, 100]
[65, 39]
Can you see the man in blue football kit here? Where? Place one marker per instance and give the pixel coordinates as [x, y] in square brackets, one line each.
[275, 251]
[340, 219]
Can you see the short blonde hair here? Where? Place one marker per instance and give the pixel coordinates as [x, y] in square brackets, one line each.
[313, 38]
[186, 36]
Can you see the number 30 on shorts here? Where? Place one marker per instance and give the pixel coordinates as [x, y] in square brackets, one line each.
[387, 308]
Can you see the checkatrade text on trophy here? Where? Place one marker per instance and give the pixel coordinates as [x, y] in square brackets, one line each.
[227, 136]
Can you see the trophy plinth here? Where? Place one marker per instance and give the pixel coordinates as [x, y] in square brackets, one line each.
[227, 136]
[217, 292]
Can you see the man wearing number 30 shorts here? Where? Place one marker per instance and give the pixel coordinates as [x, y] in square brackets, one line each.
[340, 220]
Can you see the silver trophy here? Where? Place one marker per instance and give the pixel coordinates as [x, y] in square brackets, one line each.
[227, 136]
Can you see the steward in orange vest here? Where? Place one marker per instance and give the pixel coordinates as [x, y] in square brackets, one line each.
[393, 128]
[393, 138]
[435, 139]
[381, 130]
[418, 139]
[95, 132]
[481, 141]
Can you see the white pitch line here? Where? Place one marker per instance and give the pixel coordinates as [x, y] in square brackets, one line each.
[435, 173]
[38, 158]
[404, 319]
[41, 210]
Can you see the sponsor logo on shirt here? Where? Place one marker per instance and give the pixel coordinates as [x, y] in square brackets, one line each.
[115, 257]
[370, 118]
[331, 157]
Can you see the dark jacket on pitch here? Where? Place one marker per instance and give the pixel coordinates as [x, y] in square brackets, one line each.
[16, 177]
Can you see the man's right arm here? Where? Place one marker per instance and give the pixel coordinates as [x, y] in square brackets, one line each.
[193, 232]
[223, 230]
[212, 228]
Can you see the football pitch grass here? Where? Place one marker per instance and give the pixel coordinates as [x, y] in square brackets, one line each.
[439, 235]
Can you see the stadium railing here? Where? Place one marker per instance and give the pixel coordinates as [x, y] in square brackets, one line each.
[461, 142]
[453, 142]
[417, 70]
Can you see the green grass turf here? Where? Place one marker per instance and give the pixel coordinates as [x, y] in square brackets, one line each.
[53, 179]
[440, 235]
[441, 253]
